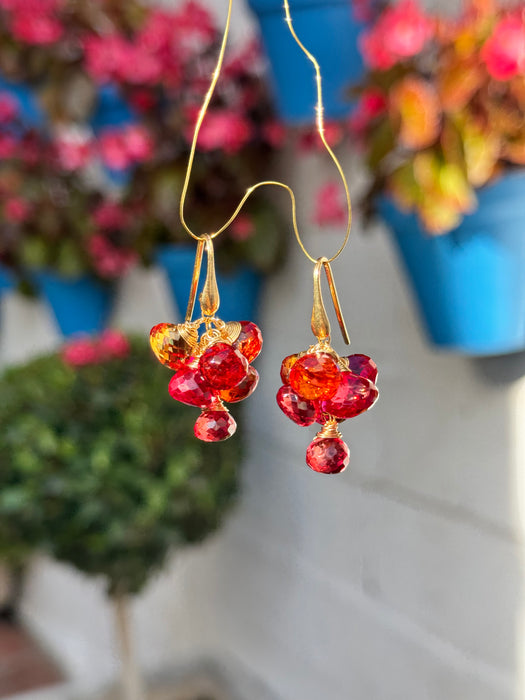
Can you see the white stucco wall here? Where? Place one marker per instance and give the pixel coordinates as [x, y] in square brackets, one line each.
[402, 579]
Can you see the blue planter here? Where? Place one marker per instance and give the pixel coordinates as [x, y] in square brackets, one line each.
[239, 291]
[329, 31]
[7, 281]
[470, 283]
[80, 305]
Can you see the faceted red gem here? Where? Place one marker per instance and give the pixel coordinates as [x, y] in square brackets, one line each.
[250, 341]
[286, 367]
[354, 396]
[300, 410]
[364, 366]
[189, 386]
[214, 426]
[245, 388]
[315, 376]
[328, 455]
[223, 366]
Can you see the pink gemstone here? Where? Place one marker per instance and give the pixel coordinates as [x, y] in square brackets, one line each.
[328, 455]
[354, 396]
[189, 386]
[214, 426]
[223, 366]
[364, 366]
[301, 411]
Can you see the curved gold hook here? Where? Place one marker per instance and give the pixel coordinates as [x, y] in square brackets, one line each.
[320, 322]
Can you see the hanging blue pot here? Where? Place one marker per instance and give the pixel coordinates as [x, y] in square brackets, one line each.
[80, 305]
[239, 291]
[330, 32]
[470, 283]
[7, 281]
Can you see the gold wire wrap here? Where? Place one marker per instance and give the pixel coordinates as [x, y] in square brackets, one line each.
[275, 183]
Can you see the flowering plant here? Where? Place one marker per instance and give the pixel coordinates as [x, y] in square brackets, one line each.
[440, 112]
[92, 161]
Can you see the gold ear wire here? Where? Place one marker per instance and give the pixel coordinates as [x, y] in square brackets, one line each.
[320, 322]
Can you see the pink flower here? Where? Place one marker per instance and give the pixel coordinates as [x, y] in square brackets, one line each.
[110, 216]
[504, 51]
[274, 133]
[242, 228]
[224, 129]
[114, 344]
[38, 29]
[74, 149]
[110, 261]
[401, 31]
[81, 352]
[104, 55]
[121, 148]
[330, 209]
[371, 104]
[8, 108]
[17, 210]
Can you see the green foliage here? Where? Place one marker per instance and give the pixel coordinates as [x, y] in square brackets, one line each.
[100, 467]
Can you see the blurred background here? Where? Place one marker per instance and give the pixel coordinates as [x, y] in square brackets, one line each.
[402, 577]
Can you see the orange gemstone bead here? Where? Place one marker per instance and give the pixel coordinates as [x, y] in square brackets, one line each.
[170, 348]
[250, 341]
[286, 367]
[315, 376]
[244, 389]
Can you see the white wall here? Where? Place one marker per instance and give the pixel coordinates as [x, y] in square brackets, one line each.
[400, 579]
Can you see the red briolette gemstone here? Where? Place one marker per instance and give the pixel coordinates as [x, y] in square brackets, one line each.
[222, 366]
[189, 386]
[353, 396]
[363, 366]
[300, 410]
[315, 376]
[245, 388]
[250, 341]
[286, 367]
[328, 455]
[214, 426]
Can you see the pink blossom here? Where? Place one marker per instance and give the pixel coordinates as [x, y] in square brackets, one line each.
[371, 104]
[504, 51]
[17, 210]
[121, 148]
[242, 228]
[38, 29]
[139, 143]
[224, 129]
[8, 107]
[114, 344]
[110, 216]
[110, 261]
[274, 133]
[104, 55]
[74, 149]
[81, 352]
[401, 31]
[330, 208]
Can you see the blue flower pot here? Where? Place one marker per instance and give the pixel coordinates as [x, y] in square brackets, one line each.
[7, 280]
[80, 305]
[239, 291]
[329, 31]
[470, 283]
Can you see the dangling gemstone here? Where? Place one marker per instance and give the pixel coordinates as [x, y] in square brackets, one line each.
[169, 345]
[353, 396]
[315, 376]
[328, 455]
[286, 367]
[300, 410]
[363, 366]
[245, 388]
[214, 426]
[223, 366]
[189, 386]
[250, 341]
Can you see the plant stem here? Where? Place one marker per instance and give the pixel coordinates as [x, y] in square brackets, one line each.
[132, 687]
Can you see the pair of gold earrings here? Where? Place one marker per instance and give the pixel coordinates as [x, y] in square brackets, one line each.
[212, 359]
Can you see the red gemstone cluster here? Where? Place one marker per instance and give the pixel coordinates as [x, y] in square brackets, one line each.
[319, 386]
[211, 370]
